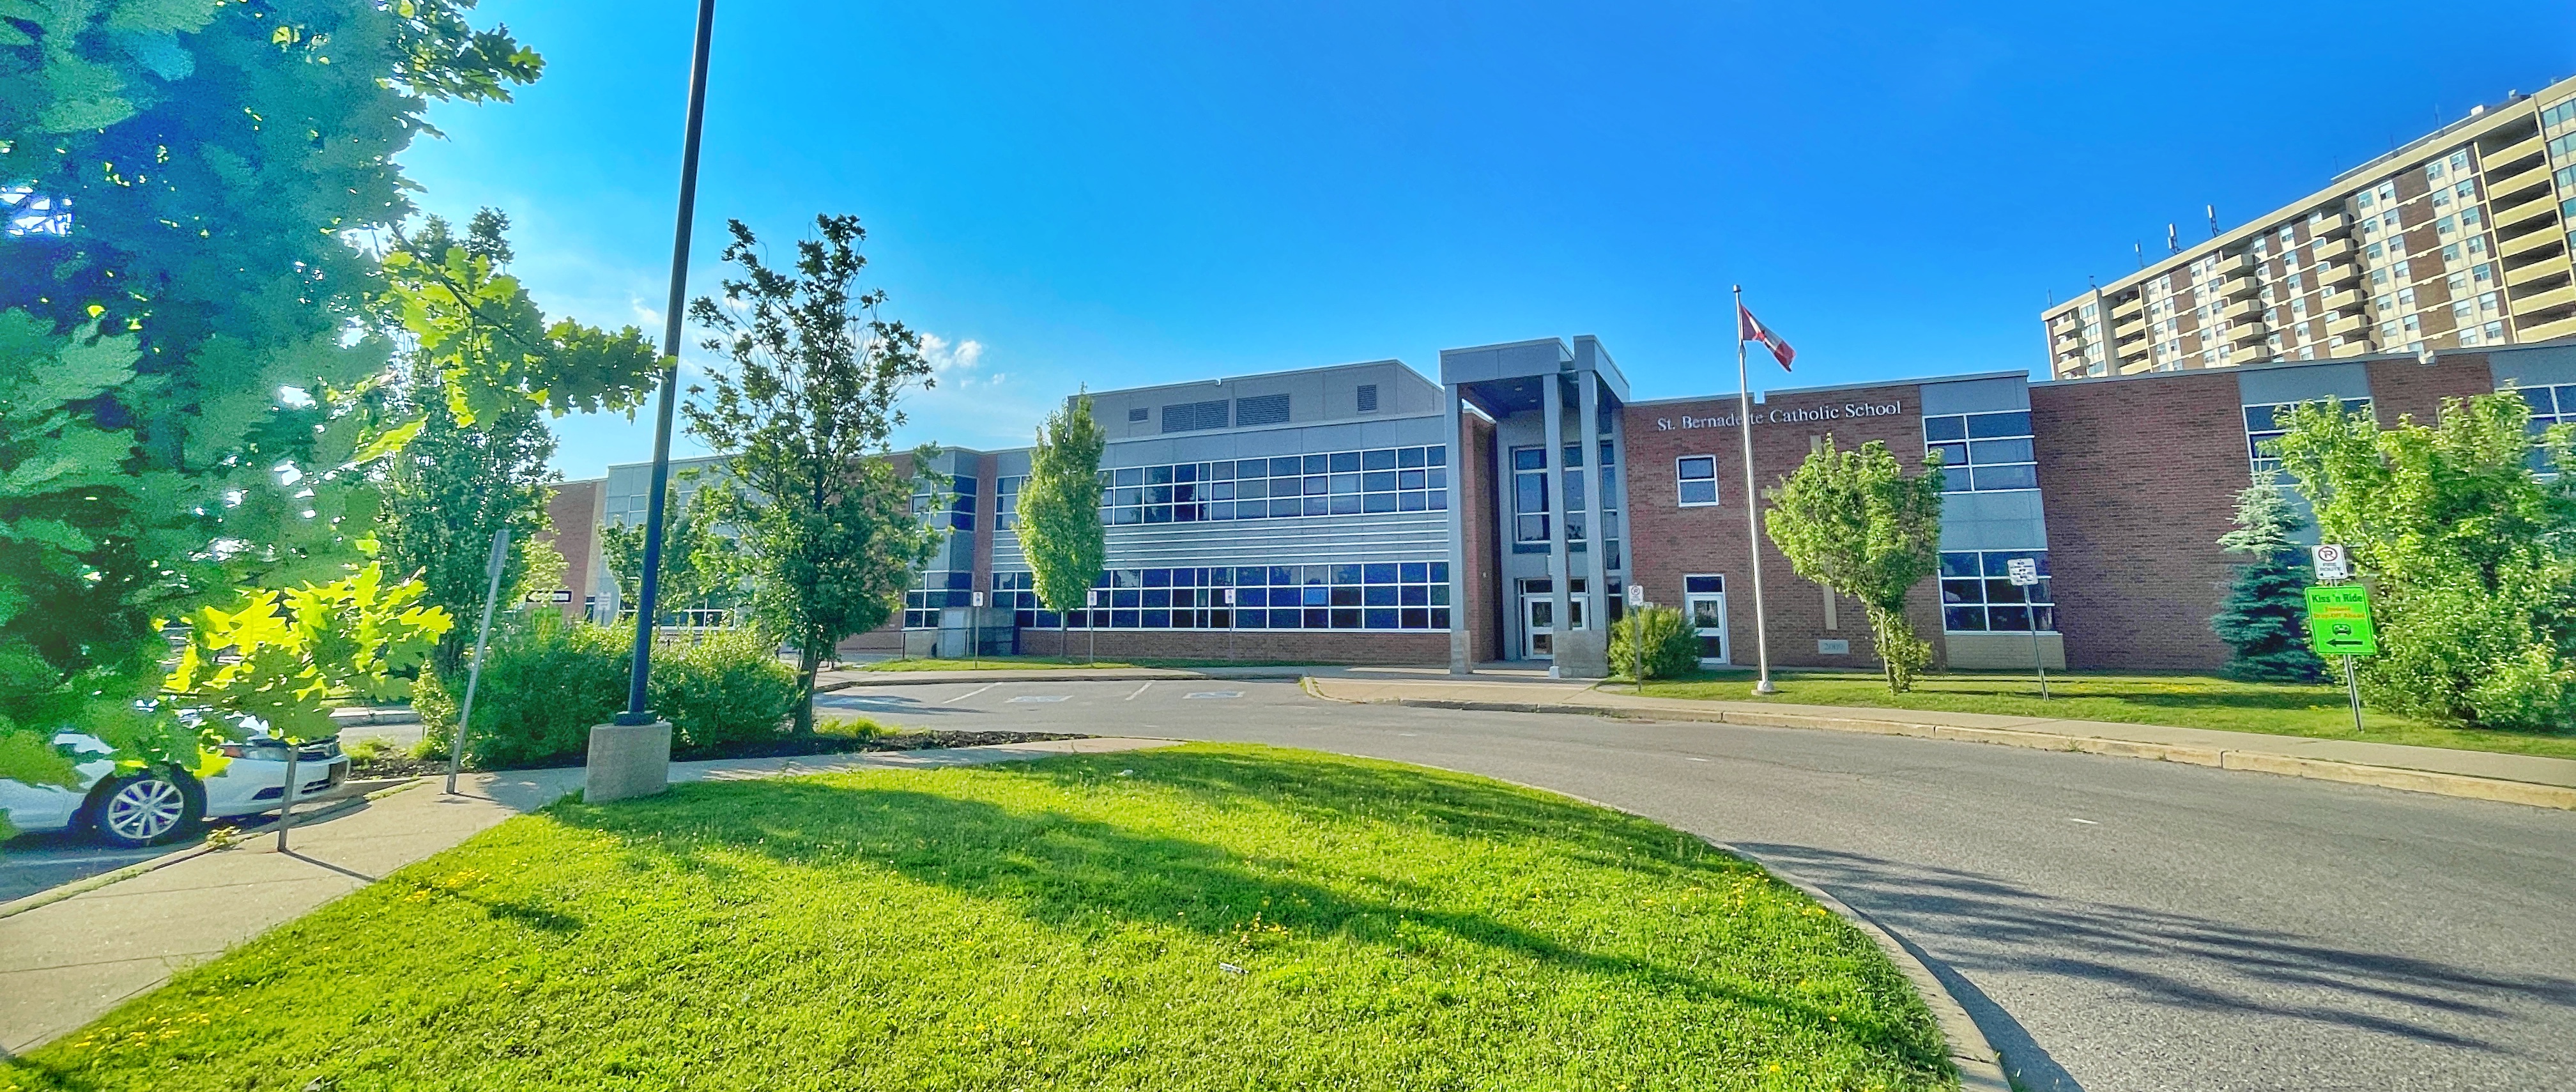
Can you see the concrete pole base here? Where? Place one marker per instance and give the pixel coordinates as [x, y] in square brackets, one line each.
[627, 760]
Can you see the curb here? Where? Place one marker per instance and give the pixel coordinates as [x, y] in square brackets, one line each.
[2319, 769]
[53, 895]
[1979, 1064]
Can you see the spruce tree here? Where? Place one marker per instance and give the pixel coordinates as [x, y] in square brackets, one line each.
[2265, 616]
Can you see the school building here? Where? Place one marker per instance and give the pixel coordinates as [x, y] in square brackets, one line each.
[1365, 513]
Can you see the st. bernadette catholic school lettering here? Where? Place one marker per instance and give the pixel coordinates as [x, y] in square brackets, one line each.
[1786, 416]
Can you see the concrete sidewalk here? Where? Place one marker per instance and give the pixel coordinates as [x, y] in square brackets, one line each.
[2485, 775]
[64, 964]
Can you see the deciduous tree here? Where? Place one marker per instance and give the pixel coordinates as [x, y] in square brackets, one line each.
[1854, 522]
[2470, 554]
[806, 409]
[174, 363]
[1059, 510]
[477, 367]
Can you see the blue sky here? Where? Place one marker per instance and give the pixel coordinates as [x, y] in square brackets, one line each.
[1152, 192]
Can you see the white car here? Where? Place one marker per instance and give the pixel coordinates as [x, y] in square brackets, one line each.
[159, 804]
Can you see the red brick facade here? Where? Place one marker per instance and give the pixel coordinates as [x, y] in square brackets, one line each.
[572, 528]
[2140, 478]
[2405, 388]
[1671, 542]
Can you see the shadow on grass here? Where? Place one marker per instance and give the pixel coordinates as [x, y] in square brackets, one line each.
[1072, 873]
[2179, 960]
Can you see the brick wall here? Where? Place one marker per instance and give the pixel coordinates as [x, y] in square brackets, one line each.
[1673, 541]
[1472, 497]
[572, 528]
[2140, 479]
[2401, 388]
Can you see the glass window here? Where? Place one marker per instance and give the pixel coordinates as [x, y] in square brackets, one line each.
[1978, 595]
[1983, 452]
[1696, 479]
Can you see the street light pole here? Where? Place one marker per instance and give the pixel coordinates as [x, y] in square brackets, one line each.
[652, 577]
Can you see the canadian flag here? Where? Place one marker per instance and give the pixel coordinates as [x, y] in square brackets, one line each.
[1748, 328]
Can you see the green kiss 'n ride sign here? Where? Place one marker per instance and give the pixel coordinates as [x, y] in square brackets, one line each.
[2339, 621]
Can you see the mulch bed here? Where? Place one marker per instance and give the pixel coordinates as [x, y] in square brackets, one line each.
[406, 766]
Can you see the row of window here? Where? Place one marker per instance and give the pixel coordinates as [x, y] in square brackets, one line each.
[1978, 595]
[1377, 595]
[2266, 423]
[1392, 479]
[1530, 495]
[1983, 452]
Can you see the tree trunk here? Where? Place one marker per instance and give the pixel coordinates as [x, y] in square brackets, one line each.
[809, 659]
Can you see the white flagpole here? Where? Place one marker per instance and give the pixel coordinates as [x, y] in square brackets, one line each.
[1752, 501]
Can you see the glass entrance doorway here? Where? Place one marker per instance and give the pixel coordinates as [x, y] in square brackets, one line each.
[1538, 616]
[1704, 607]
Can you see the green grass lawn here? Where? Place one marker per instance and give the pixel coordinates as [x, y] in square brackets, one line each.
[2188, 701]
[1000, 663]
[1207, 917]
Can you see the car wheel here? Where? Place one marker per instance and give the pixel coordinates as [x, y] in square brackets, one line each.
[147, 808]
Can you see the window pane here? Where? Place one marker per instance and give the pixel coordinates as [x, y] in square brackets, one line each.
[1411, 456]
[1963, 619]
[1699, 492]
[1346, 462]
[1703, 585]
[1381, 459]
[1959, 564]
[2007, 477]
[1945, 428]
[1982, 425]
[1953, 455]
[2000, 451]
[1529, 458]
[1696, 466]
[1962, 591]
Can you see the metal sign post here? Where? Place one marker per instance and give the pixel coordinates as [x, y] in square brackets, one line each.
[1225, 598]
[2024, 572]
[975, 622]
[1637, 631]
[2339, 624]
[1092, 624]
[492, 567]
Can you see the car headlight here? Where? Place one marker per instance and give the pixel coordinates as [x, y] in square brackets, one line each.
[263, 750]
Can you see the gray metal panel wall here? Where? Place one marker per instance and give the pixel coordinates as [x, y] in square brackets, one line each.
[2274, 386]
[1976, 396]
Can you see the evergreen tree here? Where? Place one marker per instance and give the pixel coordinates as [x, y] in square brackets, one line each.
[2265, 617]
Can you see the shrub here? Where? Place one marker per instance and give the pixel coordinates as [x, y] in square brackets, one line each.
[546, 681]
[728, 688]
[1671, 648]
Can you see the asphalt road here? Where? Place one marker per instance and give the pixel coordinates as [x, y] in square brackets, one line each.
[2115, 925]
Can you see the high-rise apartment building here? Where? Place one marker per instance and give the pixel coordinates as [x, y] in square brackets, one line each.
[2459, 238]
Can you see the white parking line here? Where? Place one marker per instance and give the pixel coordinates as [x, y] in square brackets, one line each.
[1215, 694]
[1041, 697]
[1694, 759]
[977, 690]
[1139, 690]
[2086, 822]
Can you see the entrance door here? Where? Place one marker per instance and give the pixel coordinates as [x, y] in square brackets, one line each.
[1538, 616]
[1704, 606]
[1538, 626]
